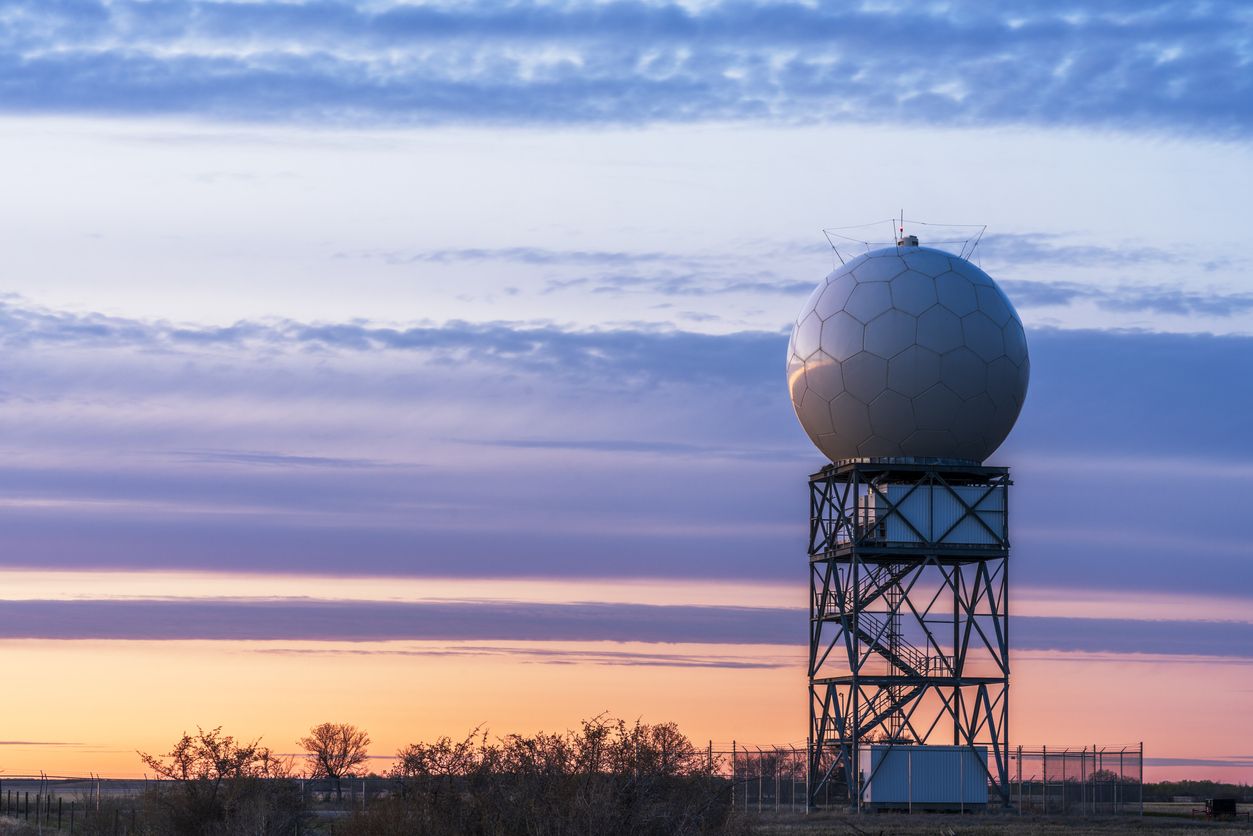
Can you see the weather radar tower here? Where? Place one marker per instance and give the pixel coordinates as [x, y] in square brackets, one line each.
[907, 368]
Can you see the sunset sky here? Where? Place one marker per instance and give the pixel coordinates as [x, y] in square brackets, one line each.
[421, 365]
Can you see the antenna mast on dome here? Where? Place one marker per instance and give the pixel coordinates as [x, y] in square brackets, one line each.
[849, 242]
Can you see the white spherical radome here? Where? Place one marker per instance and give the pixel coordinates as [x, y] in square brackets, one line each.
[908, 352]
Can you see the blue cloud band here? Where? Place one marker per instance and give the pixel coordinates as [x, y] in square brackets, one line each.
[1166, 66]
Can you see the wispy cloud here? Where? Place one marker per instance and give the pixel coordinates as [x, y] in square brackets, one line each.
[616, 271]
[706, 283]
[264, 459]
[523, 346]
[1165, 66]
[1161, 299]
[516, 255]
[520, 621]
[553, 656]
[386, 621]
[1233, 760]
[1054, 249]
[659, 448]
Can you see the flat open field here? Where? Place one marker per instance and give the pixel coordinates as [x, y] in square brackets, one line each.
[938, 824]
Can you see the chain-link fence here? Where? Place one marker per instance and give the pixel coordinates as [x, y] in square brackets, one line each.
[1048, 780]
[1092, 780]
[1087, 780]
[766, 779]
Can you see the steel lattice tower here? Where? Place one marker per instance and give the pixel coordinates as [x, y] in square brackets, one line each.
[909, 615]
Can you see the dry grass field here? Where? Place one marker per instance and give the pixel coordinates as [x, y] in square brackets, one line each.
[820, 824]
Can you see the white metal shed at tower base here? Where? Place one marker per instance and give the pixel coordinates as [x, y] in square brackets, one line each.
[926, 777]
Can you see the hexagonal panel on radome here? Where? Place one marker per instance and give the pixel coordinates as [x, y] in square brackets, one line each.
[811, 301]
[936, 408]
[892, 416]
[850, 419]
[964, 372]
[938, 443]
[865, 375]
[879, 269]
[913, 371]
[890, 333]
[823, 375]
[927, 261]
[971, 272]
[852, 264]
[1003, 382]
[869, 300]
[842, 336]
[912, 292]
[1015, 342]
[815, 413]
[973, 450]
[877, 446]
[993, 303]
[832, 445]
[973, 417]
[940, 330]
[956, 293]
[1000, 426]
[983, 336]
[796, 377]
[835, 295]
[808, 335]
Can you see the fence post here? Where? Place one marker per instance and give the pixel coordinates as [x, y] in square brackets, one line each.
[759, 776]
[809, 753]
[776, 780]
[792, 779]
[733, 774]
[59, 800]
[1141, 772]
[1044, 794]
[1020, 780]
[1065, 753]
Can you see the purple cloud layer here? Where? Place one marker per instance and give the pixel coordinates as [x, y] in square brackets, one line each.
[373, 621]
[531, 450]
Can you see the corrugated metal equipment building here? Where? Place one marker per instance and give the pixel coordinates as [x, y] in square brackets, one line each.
[925, 777]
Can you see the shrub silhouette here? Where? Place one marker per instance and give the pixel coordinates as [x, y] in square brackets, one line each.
[215, 786]
[607, 777]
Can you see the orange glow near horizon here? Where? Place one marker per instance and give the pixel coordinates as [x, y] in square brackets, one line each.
[78, 706]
